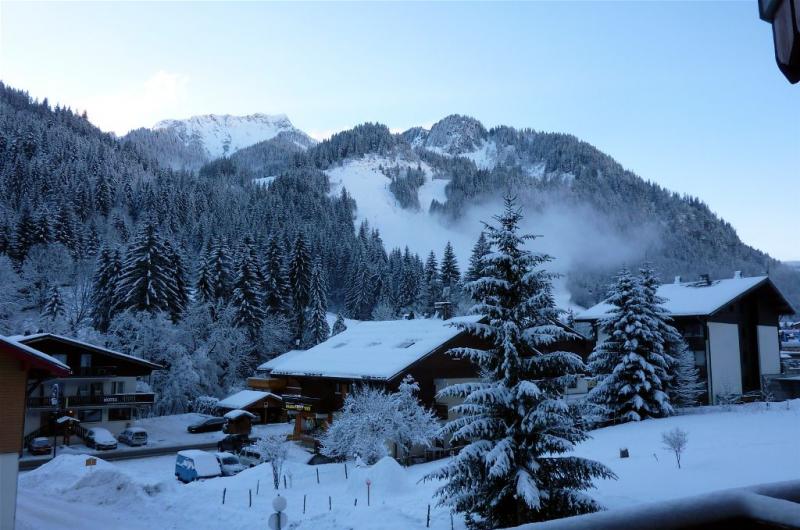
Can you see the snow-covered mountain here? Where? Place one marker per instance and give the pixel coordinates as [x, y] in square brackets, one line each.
[223, 135]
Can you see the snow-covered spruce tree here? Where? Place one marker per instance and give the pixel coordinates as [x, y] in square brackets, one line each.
[104, 288]
[431, 283]
[338, 325]
[204, 288]
[54, 308]
[248, 298]
[417, 425]
[146, 282]
[630, 361]
[358, 296]
[221, 270]
[278, 294]
[299, 279]
[450, 273]
[515, 423]
[177, 305]
[475, 269]
[317, 328]
[686, 387]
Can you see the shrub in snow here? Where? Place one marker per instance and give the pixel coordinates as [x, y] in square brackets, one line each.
[675, 441]
[274, 448]
[205, 404]
[515, 422]
[631, 363]
[371, 418]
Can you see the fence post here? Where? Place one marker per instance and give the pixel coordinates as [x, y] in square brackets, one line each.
[329, 503]
[345, 470]
[304, 503]
[224, 490]
[250, 494]
[258, 485]
[317, 475]
[284, 482]
[428, 521]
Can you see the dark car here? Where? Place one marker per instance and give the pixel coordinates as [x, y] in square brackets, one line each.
[233, 443]
[40, 446]
[207, 425]
[99, 438]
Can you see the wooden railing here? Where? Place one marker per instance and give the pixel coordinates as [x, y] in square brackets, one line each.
[137, 398]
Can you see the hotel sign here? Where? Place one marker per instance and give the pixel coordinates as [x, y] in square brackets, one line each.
[300, 407]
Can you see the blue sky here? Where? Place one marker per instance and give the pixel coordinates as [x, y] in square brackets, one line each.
[684, 94]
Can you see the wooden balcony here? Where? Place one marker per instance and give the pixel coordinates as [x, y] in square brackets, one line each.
[266, 385]
[98, 400]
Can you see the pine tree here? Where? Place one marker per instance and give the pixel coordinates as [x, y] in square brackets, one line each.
[179, 303]
[42, 234]
[317, 328]
[515, 422]
[277, 290]
[219, 263]
[102, 195]
[299, 279]
[686, 387]
[64, 227]
[54, 307]
[630, 362]
[24, 235]
[338, 325]
[146, 282]
[204, 286]
[358, 295]
[104, 288]
[432, 283]
[248, 297]
[450, 273]
[481, 249]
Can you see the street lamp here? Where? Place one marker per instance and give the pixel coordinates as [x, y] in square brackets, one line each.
[784, 15]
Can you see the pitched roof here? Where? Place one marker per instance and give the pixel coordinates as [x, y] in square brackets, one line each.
[699, 298]
[33, 357]
[244, 399]
[30, 340]
[238, 413]
[370, 349]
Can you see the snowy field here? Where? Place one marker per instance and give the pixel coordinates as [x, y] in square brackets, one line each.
[744, 445]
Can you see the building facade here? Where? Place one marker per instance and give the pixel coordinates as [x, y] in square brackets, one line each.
[731, 326]
[103, 389]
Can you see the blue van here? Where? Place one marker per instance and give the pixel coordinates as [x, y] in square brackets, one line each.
[194, 464]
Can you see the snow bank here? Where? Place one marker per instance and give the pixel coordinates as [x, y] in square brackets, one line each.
[68, 478]
[387, 478]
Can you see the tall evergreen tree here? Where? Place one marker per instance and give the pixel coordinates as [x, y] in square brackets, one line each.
[54, 308]
[450, 273]
[204, 286]
[432, 283]
[104, 288]
[317, 328]
[515, 422]
[481, 249]
[220, 269]
[146, 282]
[277, 291]
[630, 361]
[686, 386]
[248, 297]
[359, 291]
[179, 303]
[64, 227]
[24, 235]
[338, 325]
[299, 279]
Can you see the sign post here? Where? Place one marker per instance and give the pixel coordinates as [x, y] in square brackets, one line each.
[91, 462]
[278, 520]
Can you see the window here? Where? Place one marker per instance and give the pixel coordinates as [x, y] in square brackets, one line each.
[86, 360]
[90, 415]
[119, 414]
[118, 387]
[699, 358]
[83, 389]
[60, 357]
[97, 389]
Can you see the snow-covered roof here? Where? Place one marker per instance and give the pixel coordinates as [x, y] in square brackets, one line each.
[369, 350]
[698, 298]
[25, 339]
[39, 359]
[244, 399]
[238, 413]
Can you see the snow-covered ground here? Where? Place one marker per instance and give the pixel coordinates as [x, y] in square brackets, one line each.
[747, 444]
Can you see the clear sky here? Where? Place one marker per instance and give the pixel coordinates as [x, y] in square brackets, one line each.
[685, 94]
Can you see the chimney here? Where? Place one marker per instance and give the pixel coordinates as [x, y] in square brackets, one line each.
[678, 279]
[705, 278]
[443, 309]
[737, 275]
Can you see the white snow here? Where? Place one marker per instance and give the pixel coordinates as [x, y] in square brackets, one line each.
[264, 181]
[690, 298]
[244, 398]
[205, 464]
[237, 413]
[728, 448]
[370, 349]
[223, 135]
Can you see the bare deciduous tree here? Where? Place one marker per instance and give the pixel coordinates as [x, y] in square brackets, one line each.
[675, 441]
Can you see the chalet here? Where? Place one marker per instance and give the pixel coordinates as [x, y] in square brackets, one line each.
[313, 383]
[18, 365]
[265, 407]
[731, 325]
[103, 389]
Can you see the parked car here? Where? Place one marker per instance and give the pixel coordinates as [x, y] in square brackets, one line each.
[233, 443]
[99, 438]
[229, 463]
[250, 456]
[40, 446]
[194, 464]
[207, 425]
[133, 436]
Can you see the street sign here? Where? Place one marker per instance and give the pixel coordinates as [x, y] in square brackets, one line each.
[278, 521]
[279, 503]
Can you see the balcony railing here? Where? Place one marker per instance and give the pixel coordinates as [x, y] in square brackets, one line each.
[138, 398]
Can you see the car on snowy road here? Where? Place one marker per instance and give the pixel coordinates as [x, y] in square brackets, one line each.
[40, 446]
[133, 436]
[194, 464]
[229, 463]
[207, 425]
[99, 438]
